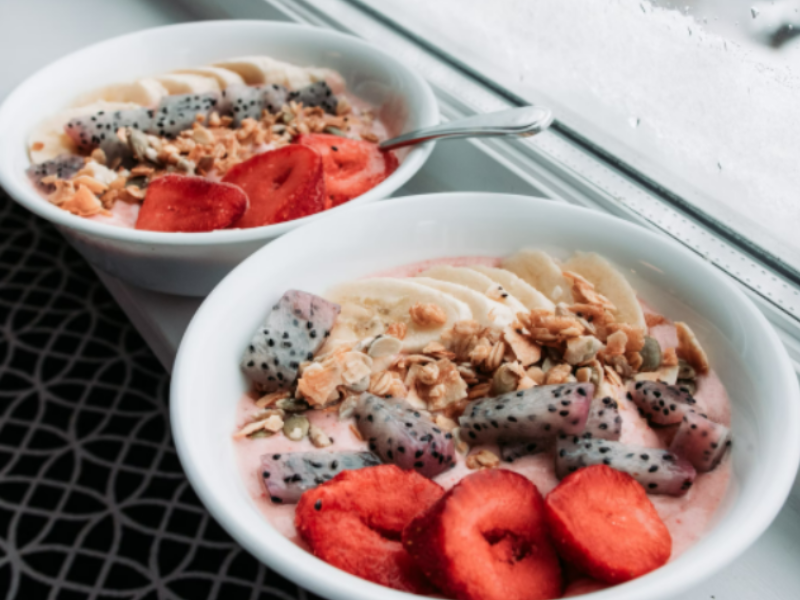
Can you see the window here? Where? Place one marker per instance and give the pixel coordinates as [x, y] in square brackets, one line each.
[702, 98]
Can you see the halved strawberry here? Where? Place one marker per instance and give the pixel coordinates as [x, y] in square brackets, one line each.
[352, 167]
[354, 522]
[486, 539]
[602, 522]
[282, 185]
[182, 203]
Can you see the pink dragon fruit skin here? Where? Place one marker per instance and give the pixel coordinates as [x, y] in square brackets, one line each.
[604, 421]
[295, 328]
[701, 441]
[661, 403]
[401, 435]
[659, 471]
[63, 167]
[286, 476]
[536, 414]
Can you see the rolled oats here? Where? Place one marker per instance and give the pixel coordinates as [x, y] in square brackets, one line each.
[483, 459]
[397, 330]
[427, 315]
[558, 374]
[525, 351]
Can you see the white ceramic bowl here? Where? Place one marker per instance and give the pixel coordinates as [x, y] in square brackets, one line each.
[192, 263]
[742, 346]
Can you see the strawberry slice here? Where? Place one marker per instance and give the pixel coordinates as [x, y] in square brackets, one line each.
[354, 522]
[282, 185]
[352, 167]
[182, 203]
[486, 539]
[603, 523]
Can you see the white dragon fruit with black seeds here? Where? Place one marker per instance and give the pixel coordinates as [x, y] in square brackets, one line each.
[659, 471]
[63, 167]
[286, 476]
[538, 413]
[511, 451]
[172, 115]
[316, 94]
[178, 113]
[249, 101]
[661, 403]
[604, 421]
[100, 129]
[701, 441]
[401, 435]
[295, 328]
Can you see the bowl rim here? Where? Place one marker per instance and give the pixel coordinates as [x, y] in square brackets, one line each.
[330, 582]
[27, 196]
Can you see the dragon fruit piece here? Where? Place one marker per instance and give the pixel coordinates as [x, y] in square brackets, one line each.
[401, 435]
[511, 451]
[661, 403]
[701, 441]
[659, 471]
[247, 101]
[286, 476]
[538, 413]
[293, 331]
[178, 113]
[91, 131]
[604, 420]
[316, 94]
[63, 167]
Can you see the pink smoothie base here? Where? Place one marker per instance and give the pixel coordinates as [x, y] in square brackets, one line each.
[687, 517]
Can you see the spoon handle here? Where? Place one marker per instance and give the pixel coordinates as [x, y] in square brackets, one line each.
[526, 120]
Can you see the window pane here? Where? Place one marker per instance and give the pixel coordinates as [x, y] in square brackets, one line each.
[703, 97]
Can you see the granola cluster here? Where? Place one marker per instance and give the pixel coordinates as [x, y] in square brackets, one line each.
[579, 342]
[209, 149]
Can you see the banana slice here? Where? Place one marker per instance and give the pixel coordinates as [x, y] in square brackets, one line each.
[485, 311]
[183, 83]
[369, 305]
[223, 77]
[144, 92]
[611, 283]
[474, 281]
[264, 69]
[48, 140]
[522, 291]
[539, 270]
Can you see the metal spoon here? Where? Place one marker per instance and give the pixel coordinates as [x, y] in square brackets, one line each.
[524, 121]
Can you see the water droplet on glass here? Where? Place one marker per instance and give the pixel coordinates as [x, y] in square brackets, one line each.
[754, 11]
[634, 122]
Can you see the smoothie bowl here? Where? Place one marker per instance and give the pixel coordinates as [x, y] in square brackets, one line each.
[168, 155]
[482, 396]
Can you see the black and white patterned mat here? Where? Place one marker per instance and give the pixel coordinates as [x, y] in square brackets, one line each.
[93, 501]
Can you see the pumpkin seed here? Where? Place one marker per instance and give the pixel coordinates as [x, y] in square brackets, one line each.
[292, 405]
[685, 370]
[651, 354]
[335, 131]
[296, 427]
